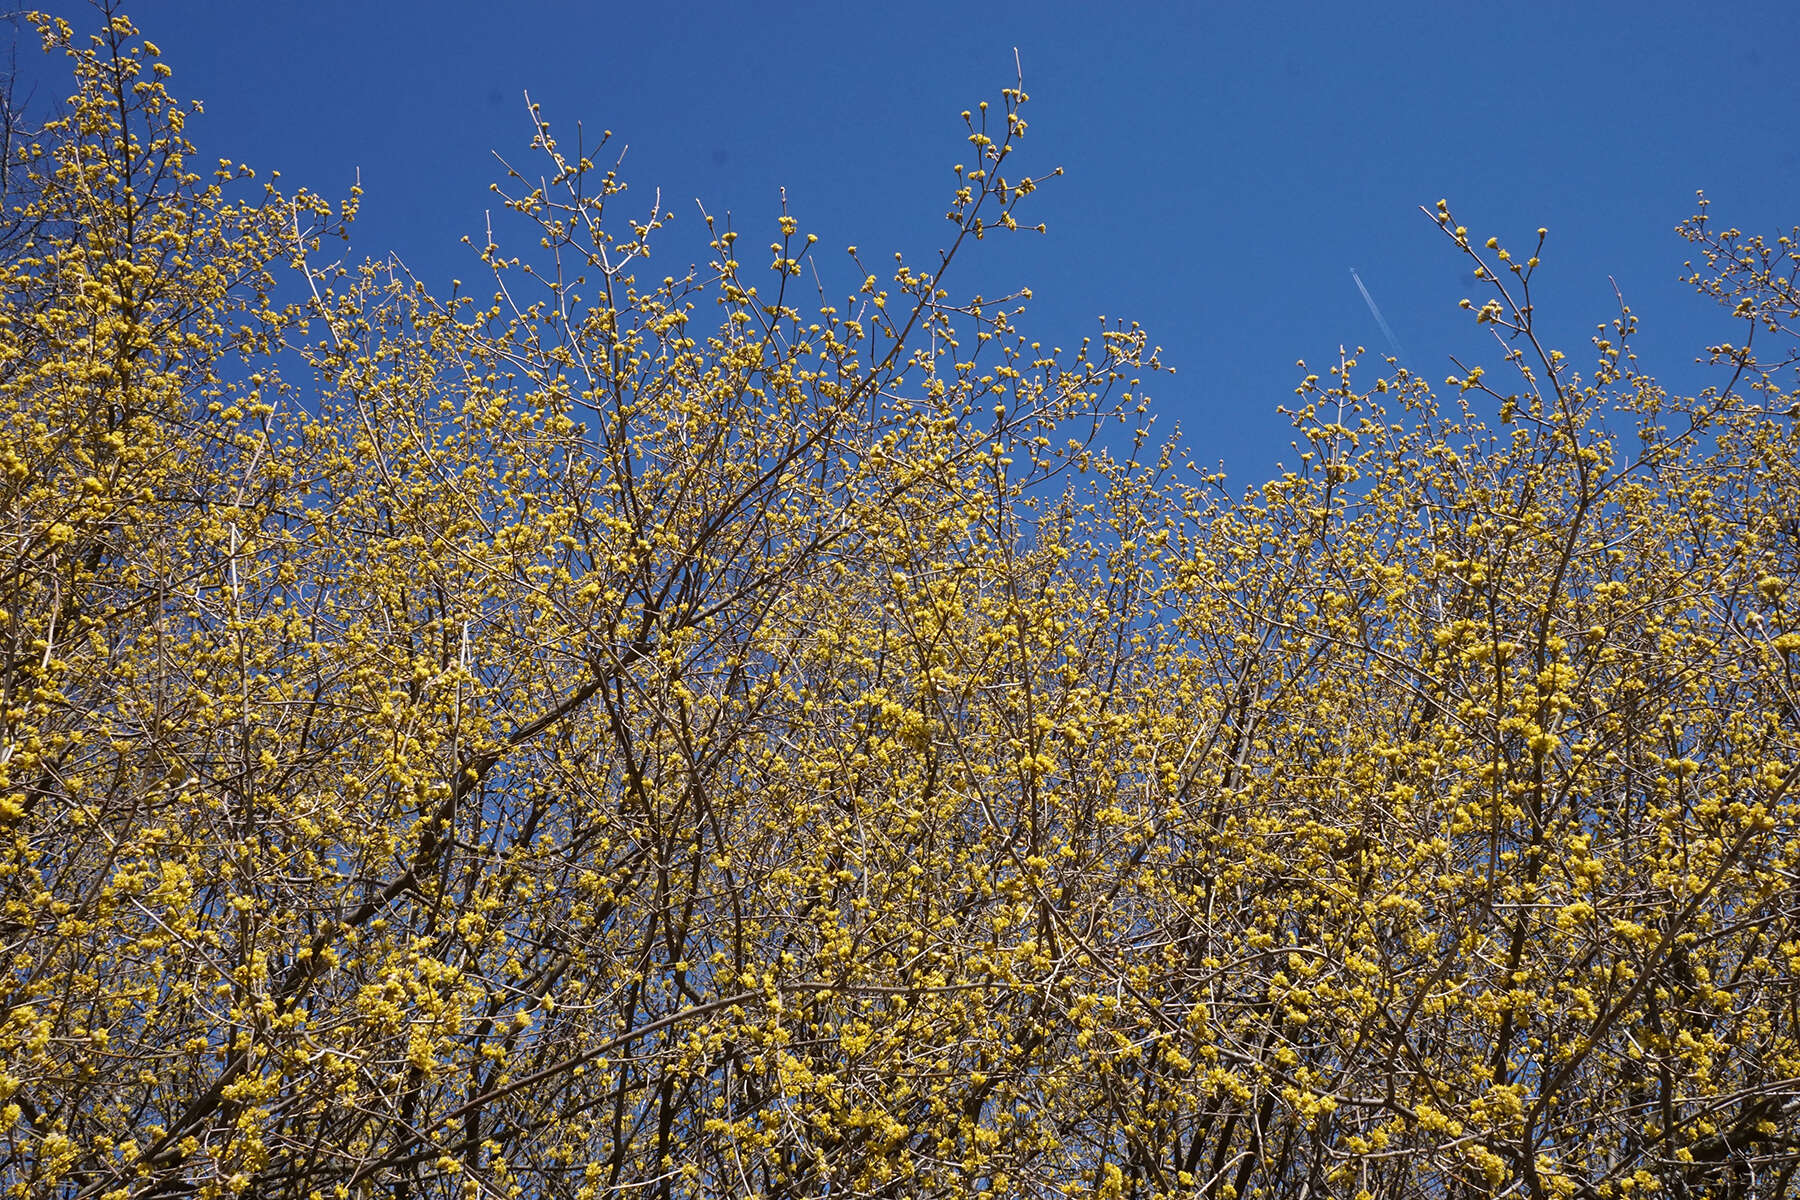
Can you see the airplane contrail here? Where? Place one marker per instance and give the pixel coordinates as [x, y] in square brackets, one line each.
[1375, 311]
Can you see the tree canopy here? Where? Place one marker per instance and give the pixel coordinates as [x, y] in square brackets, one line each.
[619, 732]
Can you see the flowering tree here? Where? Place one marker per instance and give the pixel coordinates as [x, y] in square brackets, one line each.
[632, 734]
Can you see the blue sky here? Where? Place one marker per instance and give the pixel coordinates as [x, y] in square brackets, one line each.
[1225, 164]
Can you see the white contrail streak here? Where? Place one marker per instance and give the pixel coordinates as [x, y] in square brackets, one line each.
[1375, 311]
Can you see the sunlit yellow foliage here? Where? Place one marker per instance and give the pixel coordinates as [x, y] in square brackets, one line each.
[635, 729]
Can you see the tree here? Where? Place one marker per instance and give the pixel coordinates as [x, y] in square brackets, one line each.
[659, 736]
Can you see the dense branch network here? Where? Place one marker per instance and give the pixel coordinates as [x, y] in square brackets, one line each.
[637, 736]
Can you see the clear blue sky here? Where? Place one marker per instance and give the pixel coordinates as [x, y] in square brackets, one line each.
[1226, 164]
